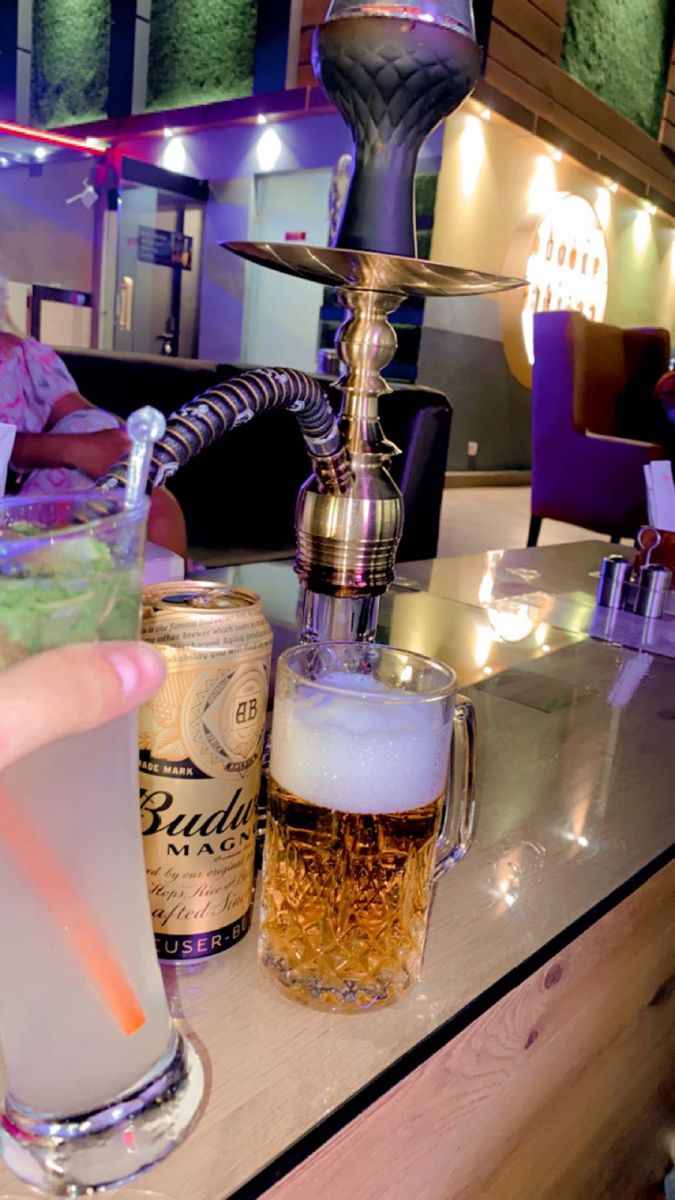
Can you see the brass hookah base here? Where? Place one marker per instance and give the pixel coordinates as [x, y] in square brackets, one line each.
[347, 543]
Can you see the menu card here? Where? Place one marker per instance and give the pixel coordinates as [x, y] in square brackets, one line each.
[660, 495]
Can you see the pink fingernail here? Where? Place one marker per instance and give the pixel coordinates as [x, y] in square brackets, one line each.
[137, 667]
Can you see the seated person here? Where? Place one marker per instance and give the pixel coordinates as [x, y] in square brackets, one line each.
[64, 443]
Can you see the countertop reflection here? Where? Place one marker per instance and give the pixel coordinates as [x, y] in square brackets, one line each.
[575, 785]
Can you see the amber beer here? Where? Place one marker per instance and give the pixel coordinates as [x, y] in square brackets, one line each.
[201, 742]
[358, 775]
[346, 898]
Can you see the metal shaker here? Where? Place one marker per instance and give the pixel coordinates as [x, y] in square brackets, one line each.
[652, 593]
[613, 579]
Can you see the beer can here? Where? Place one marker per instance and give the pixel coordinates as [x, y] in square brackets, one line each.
[201, 741]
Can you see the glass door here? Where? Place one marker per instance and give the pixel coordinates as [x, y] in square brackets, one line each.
[158, 270]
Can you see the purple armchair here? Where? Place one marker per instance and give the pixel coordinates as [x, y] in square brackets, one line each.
[584, 374]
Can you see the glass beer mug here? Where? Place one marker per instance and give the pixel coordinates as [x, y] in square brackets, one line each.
[359, 822]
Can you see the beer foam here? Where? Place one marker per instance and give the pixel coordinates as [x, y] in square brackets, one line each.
[351, 754]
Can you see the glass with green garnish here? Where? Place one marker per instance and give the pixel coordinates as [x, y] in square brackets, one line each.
[91, 1055]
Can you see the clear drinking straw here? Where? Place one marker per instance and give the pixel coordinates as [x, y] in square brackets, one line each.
[144, 427]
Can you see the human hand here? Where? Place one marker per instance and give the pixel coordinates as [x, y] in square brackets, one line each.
[72, 690]
[95, 453]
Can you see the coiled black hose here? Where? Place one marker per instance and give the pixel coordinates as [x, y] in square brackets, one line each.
[205, 419]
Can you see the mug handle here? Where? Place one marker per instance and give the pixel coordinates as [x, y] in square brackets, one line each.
[454, 843]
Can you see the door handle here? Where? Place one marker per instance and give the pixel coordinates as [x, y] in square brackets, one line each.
[126, 303]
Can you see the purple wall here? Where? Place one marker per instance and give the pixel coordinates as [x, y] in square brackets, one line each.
[218, 154]
[227, 158]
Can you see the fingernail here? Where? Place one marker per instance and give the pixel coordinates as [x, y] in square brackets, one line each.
[138, 667]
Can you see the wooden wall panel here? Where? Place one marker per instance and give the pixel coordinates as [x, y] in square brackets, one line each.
[313, 13]
[539, 29]
[576, 128]
[519, 71]
[556, 9]
[524, 52]
[565, 1088]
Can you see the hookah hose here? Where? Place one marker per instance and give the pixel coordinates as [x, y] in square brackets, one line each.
[204, 420]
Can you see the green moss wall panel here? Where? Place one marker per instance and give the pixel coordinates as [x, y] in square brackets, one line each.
[620, 49]
[200, 51]
[71, 55]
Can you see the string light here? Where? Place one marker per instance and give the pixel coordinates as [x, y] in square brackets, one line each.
[51, 139]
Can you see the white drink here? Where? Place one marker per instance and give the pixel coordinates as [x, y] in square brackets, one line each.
[100, 1085]
[375, 752]
[65, 1052]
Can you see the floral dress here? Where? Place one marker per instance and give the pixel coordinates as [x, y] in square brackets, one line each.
[32, 380]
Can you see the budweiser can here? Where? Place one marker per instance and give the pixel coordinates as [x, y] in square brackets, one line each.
[201, 740]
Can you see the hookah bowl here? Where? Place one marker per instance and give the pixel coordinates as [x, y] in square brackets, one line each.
[392, 80]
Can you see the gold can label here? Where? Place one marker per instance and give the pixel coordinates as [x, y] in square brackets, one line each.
[200, 761]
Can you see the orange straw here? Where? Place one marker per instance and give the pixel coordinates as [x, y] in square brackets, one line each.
[50, 881]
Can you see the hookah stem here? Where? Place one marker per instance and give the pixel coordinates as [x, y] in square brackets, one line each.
[204, 420]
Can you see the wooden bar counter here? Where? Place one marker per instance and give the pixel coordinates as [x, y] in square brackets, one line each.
[535, 1060]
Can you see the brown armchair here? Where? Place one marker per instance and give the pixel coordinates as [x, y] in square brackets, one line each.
[590, 382]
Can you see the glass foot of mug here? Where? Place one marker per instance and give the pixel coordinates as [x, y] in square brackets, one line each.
[346, 995]
[90, 1152]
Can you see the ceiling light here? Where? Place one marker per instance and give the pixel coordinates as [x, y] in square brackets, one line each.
[557, 155]
[4, 162]
[642, 231]
[173, 157]
[613, 187]
[261, 119]
[651, 209]
[268, 149]
[543, 187]
[471, 154]
[603, 206]
[40, 153]
[486, 114]
[168, 133]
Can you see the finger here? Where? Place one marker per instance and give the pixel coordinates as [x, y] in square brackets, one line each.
[72, 690]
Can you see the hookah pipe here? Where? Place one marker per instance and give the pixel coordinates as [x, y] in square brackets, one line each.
[394, 70]
[206, 418]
